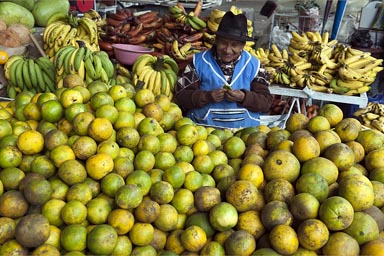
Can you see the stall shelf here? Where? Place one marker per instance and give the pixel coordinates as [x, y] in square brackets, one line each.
[296, 94]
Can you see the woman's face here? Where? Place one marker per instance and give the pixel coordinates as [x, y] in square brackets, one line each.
[228, 50]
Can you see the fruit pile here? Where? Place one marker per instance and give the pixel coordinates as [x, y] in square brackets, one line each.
[114, 170]
[71, 31]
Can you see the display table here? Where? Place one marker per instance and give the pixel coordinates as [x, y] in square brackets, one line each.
[306, 93]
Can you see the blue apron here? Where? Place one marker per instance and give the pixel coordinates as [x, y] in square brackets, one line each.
[225, 114]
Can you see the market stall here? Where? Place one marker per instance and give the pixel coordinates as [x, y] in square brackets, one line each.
[97, 158]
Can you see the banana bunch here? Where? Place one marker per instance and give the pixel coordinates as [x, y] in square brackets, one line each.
[261, 54]
[90, 65]
[357, 71]
[96, 17]
[62, 33]
[183, 51]
[280, 77]
[236, 10]
[192, 19]
[24, 73]
[214, 20]
[158, 74]
[208, 39]
[372, 116]
[277, 58]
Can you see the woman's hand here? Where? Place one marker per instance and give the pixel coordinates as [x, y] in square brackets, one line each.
[217, 95]
[234, 95]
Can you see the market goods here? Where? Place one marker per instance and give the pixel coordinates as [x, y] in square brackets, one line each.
[28, 4]
[158, 74]
[371, 116]
[12, 13]
[73, 31]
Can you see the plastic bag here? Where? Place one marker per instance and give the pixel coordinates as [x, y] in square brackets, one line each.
[280, 37]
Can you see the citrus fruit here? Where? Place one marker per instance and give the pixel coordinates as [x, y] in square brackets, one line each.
[284, 239]
[336, 212]
[304, 206]
[281, 164]
[363, 228]
[98, 210]
[193, 238]
[141, 234]
[275, 213]
[332, 112]
[167, 219]
[100, 129]
[122, 220]
[340, 243]
[73, 237]
[314, 184]
[102, 239]
[313, 234]
[73, 212]
[99, 165]
[32, 230]
[250, 221]
[128, 196]
[30, 142]
[223, 216]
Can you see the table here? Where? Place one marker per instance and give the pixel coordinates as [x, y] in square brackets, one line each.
[306, 93]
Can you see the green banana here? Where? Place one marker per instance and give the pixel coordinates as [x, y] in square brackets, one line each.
[172, 78]
[196, 22]
[106, 63]
[61, 56]
[90, 69]
[98, 65]
[9, 63]
[172, 63]
[13, 71]
[26, 75]
[19, 75]
[47, 67]
[67, 61]
[104, 76]
[32, 72]
[78, 58]
[337, 89]
[88, 53]
[11, 91]
[49, 84]
[40, 78]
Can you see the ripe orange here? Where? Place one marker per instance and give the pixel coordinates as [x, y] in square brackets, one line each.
[73, 238]
[162, 192]
[141, 233]
[318, 123]
[72, 171]
[193, 238]
[73, 212]
[242, 194]
[314, 184]
[122, 220]
[31, 111]
[10, 156]
[304, 206]
[284, 239]
[332, 112]
[187, 134]
[80, 192]
[203, 164]
[144, 160]
[99, 165]
[60, 154]
[127, 137]
[296, 121]
[143, 97]
[336, 212]
[358, 149]
[102, 239]
[341, 155]
[363, 228]
[281, 164]
[147, 211]
[168, 143]
[306, 148]
[98, 210]
[322, 166]
[70, 96]
[234, 147]
[348, 129]
[183, 200]
[128, 196]
[30, 142]
[84, 147]
[313, 234]
[371, 139]
[167, 219]
[100, 129]
[278, 189]
[223, 216]
[3, 57]
[173, 243]
[193, 180]
[250, 221]
[339, 243]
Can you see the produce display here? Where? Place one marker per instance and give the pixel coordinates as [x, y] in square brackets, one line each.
[96, 158]
[312, 61]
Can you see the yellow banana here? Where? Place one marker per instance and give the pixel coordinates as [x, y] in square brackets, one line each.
[141, 62]
[354, 58]
[276, 50]
[360, 90]
[349, 84]
[300, 38]
[7, 66]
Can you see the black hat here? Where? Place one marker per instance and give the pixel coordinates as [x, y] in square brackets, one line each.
[234, 27]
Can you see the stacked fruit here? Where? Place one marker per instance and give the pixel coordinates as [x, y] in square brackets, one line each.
[314, 62]
[129, 27]
[70, 32]
[153, 182]
[372, 116]
[192, 19]
[90, 65]
[25, 73]
[357, 71]
[158, 74]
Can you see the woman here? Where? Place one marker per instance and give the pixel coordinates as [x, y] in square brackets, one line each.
[225, 85]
